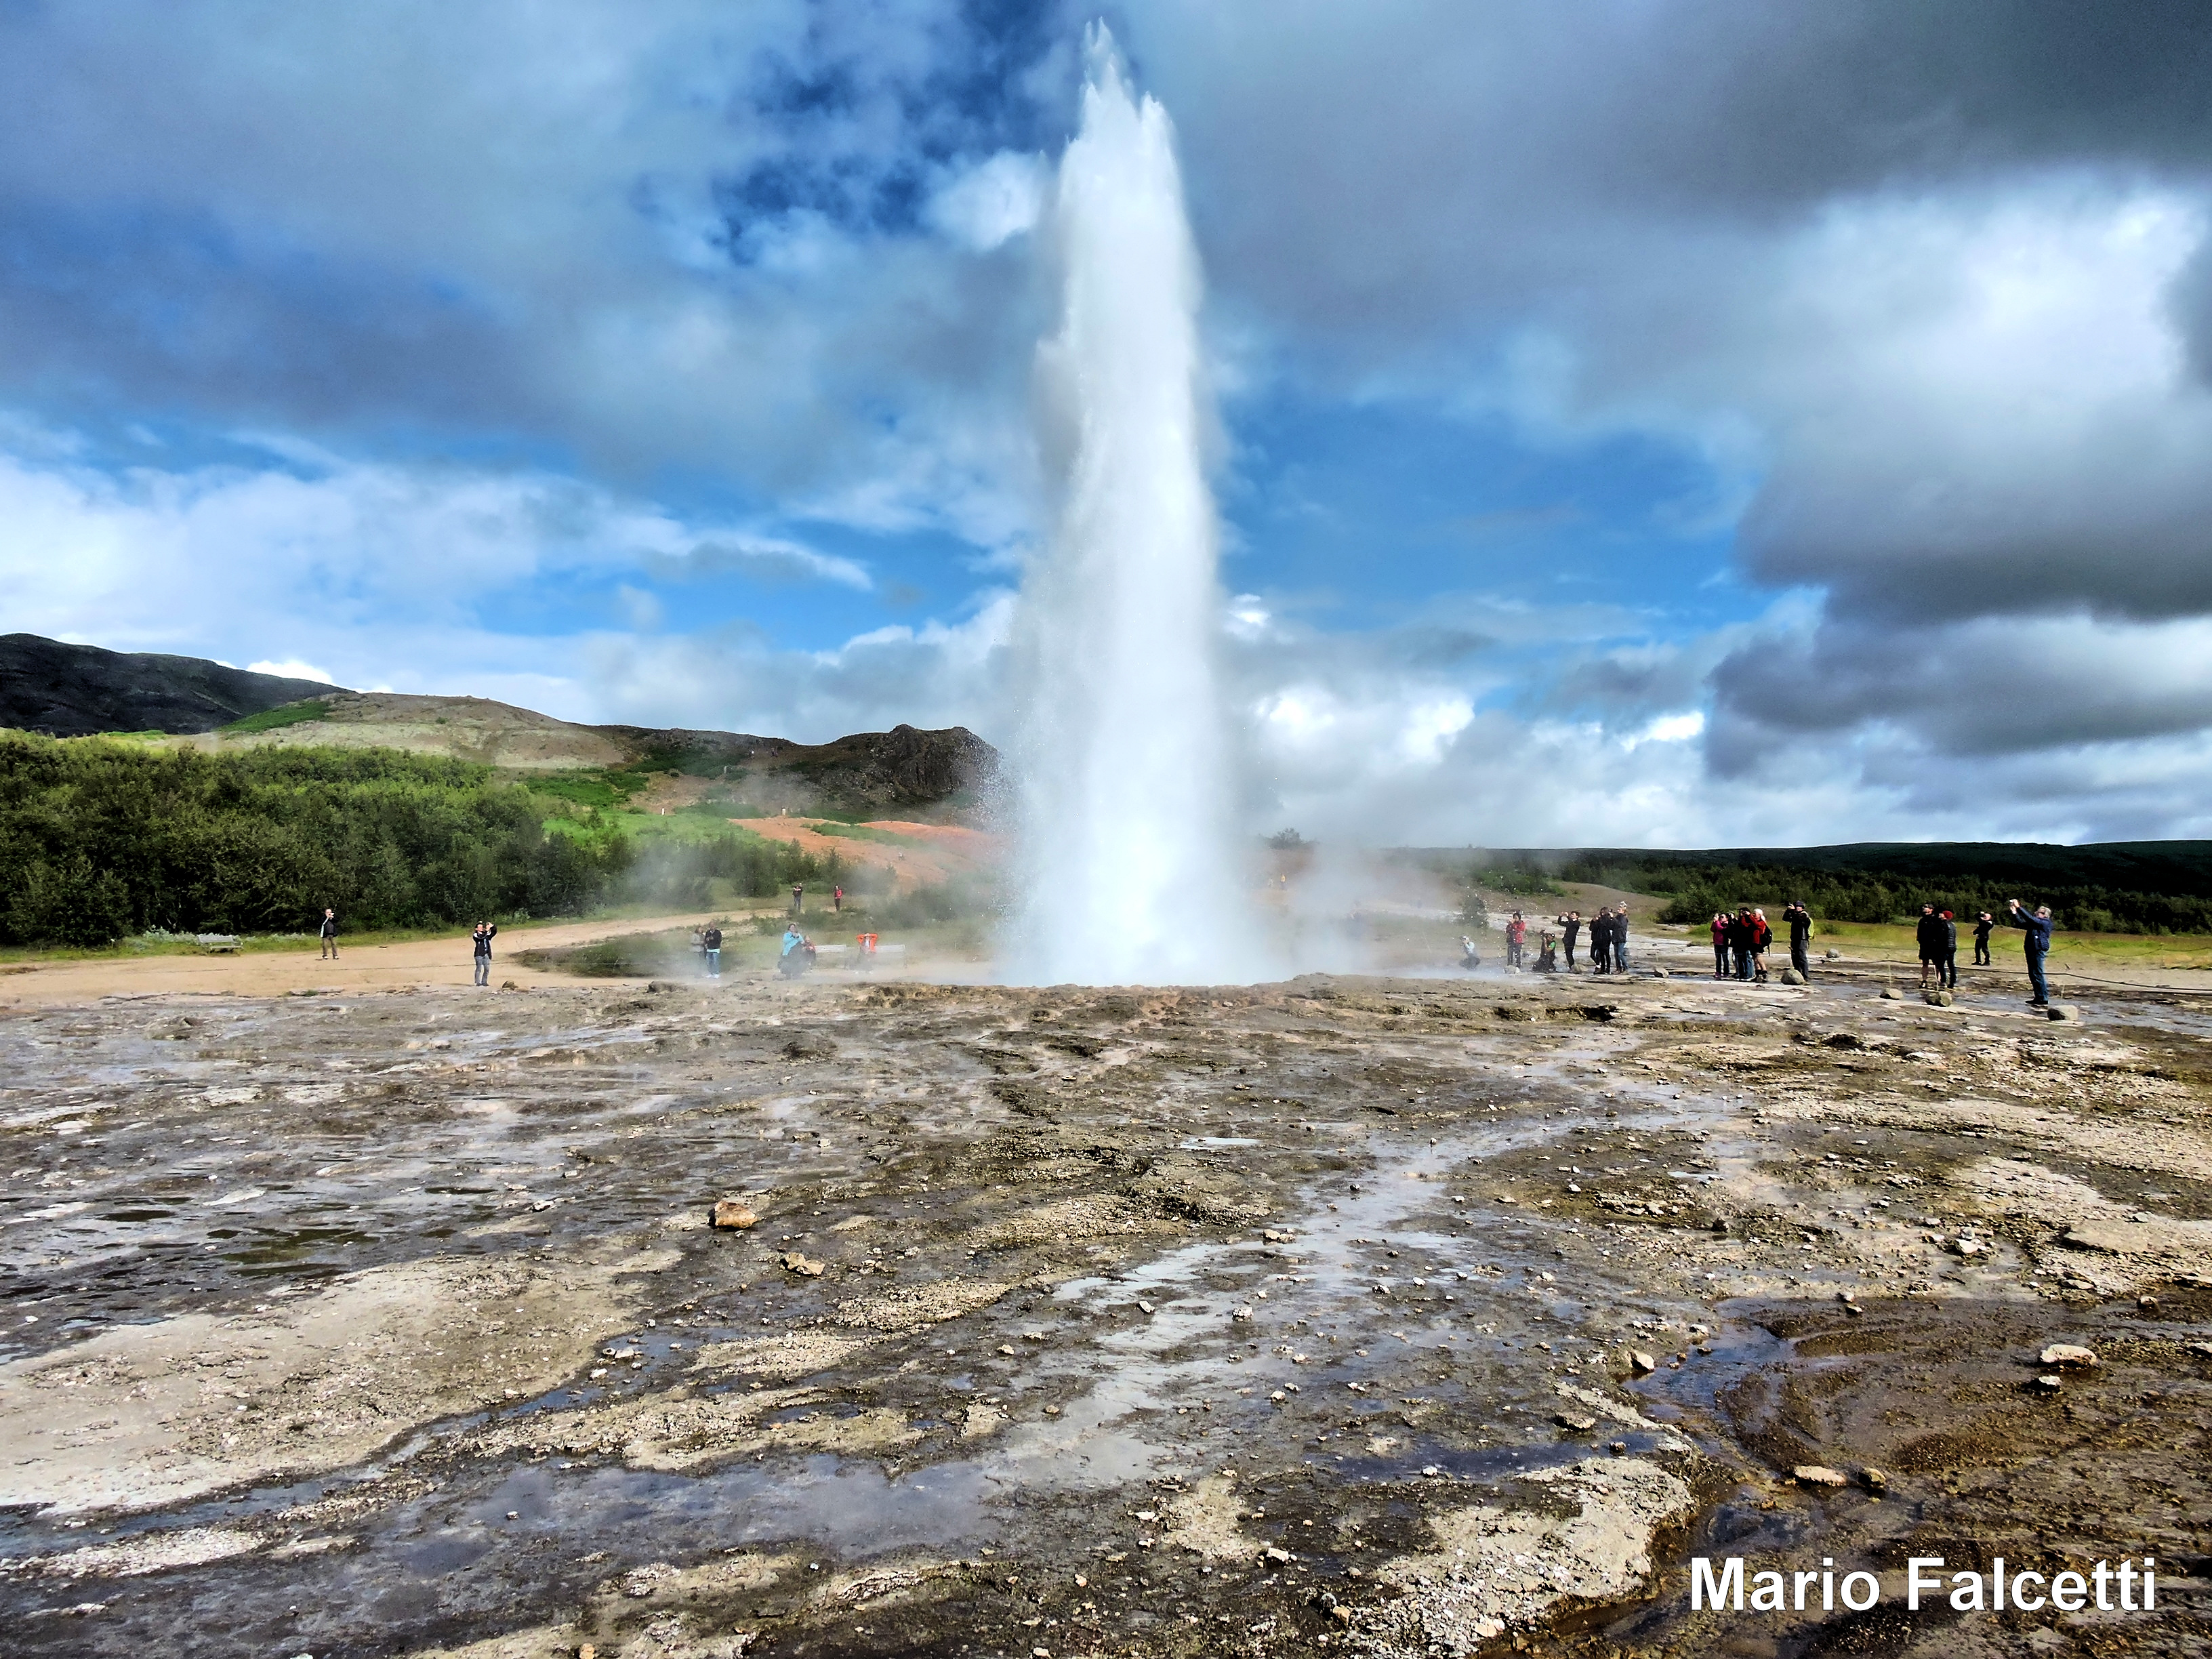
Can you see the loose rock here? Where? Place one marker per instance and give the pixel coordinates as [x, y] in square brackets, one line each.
[731, 1216]
[1819, 1474]
[1643, 1363]
[2067, 1353]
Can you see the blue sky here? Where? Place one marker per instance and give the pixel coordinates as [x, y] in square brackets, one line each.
[1663, 423]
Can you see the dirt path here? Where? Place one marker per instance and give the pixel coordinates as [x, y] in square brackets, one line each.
[278, 973]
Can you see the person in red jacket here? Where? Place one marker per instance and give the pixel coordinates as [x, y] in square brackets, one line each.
[1720, 944]
[1516, 935]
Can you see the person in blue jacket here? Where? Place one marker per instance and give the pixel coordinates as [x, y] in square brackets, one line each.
[2036, 924]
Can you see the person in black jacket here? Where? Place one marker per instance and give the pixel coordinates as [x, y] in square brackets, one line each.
[483, 937]
[1600, 942]
[1619, 937]
[1949, 976]
[330, 933]
[1930, 933]
[1743, 939]
[1570, 929]
[1982, 939]
[711, 942]
[1801, 934]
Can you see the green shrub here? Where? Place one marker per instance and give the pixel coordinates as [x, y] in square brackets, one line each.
[100, 839]
[274, 719]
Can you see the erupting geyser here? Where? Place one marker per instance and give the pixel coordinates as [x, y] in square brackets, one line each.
[1129, 867]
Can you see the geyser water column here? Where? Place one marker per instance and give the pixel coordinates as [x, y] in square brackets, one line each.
[1128, 863]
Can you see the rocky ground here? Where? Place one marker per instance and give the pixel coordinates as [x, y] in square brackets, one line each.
[1386, 1316]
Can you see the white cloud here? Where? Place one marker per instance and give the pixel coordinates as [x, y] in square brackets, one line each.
[362, 573]
[934, 675]
[293, 671]
[997, 199]
[1672, 728]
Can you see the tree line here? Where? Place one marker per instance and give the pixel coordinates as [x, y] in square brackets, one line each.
[98, 840]
[1695, 891]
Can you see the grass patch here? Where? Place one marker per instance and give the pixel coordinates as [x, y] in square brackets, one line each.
[602, 788]
[274, 719]
[2078, 951]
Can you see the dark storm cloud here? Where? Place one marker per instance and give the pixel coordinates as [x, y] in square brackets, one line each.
[1333, 148]
[1930, 281]
[1983, 688]
[1630, 681]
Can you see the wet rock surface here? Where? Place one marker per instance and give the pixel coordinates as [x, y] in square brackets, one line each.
[1400, 1316]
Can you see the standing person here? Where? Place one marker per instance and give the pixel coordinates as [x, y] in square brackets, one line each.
[1600, 942]
[1570, 929]
[1929, 932]
[1720, 944]
[483, 936]
[1762, 936]
[1982, 939]
[1801, 935]
[1740, 937]
[2037, 945]
[1516, 935]
[836, 900]
[1621, 937]
[798, 897]
[330, 933]
[711, 941]
[1948, 977]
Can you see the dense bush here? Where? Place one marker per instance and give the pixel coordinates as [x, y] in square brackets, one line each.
[100, 839]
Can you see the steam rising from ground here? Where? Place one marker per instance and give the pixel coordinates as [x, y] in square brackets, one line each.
[1128, 867]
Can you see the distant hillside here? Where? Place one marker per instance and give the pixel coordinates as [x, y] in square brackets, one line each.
[867, 771]
[76, 691]
[73, 690]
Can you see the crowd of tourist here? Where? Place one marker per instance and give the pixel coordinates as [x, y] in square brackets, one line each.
[1608, 942]
[1742, 940]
